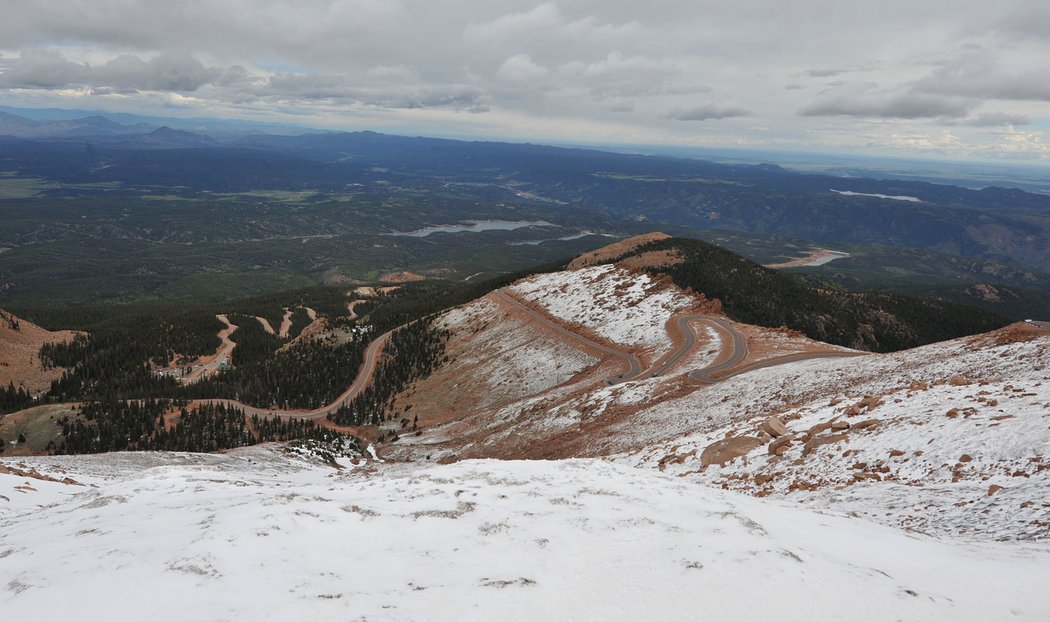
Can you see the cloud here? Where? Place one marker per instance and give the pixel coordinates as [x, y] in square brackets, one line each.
[831, 72]
[618, 75]
[520, 68]
[597, 71]
[996, 119]
[351, 90]
[125, 73]
[542, 22]
[977, 75]
[707, 112]
[1030, 21]
[899, 106]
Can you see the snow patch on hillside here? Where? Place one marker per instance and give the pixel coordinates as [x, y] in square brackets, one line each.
[508, 356]
[929, 460]
[623, 307]
[581, 539]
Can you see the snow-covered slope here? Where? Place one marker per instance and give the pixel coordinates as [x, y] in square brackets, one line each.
[257, 535]
[624, 307]
[952, 438]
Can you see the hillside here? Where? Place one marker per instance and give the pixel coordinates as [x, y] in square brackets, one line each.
[601, 413]
[20, 343]
[536, 371]
[580, 539]
[755, 294]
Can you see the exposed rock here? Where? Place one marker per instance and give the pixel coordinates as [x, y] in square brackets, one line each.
[774, 427]
[839, 426]
[959, 381]
[867, 423]
[869, 402]
[918, 385]
[994, 488]
[817, 429]
[763, 478]
[780, 445]
[721, 452]
[818, 441]
[965, 458]
[896, 452]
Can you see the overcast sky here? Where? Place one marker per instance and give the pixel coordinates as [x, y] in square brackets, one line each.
[946, 78]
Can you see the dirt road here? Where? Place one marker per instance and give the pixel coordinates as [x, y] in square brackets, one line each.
[634, 366]
[364, 376]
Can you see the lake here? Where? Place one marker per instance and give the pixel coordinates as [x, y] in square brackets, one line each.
[475, 226]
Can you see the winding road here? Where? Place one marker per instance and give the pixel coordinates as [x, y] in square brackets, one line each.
[634, 365]
[726, 365]
[364, 375]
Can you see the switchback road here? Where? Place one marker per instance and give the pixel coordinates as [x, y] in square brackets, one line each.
[634, 366]
[726, 365]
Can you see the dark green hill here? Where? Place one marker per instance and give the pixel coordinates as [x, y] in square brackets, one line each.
[877, 322]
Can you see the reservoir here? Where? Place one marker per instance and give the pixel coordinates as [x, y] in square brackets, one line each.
[475, 226]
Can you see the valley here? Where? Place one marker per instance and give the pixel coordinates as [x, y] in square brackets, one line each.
[581, 420]
[336, 364]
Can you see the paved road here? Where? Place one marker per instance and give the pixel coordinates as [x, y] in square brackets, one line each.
[634, 366]
[787, 358]
[726, 365]
[737, 350]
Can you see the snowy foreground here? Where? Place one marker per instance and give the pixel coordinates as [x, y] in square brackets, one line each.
[259, 535]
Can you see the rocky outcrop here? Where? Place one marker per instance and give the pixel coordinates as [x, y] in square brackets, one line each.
[721, 452]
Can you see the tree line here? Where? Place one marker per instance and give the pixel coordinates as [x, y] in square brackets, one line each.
[140, 425]
[412, 353]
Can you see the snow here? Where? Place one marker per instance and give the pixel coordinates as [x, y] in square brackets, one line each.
[1006, 437]
[508, 356]
[894, 197]
[826, 258]
[260, 535]
[372, 452]
[623, 307]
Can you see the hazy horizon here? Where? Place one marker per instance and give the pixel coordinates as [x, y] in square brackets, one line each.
[936, 79]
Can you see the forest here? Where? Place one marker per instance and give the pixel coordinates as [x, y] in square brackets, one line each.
[140, 425]
[412, 353]
[877, 322]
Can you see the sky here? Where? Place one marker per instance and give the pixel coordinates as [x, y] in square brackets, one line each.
[958, 79]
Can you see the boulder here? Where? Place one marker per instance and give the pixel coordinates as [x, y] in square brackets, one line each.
[774, 427]
[780, 445]
[869, 402]
[827, 439]
[721, 452]
[820, 427]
